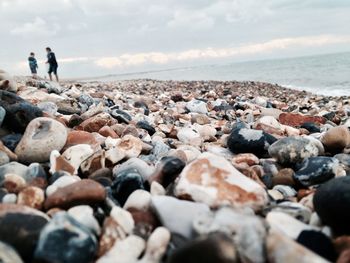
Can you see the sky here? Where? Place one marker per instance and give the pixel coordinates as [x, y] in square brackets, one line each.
[100, 37]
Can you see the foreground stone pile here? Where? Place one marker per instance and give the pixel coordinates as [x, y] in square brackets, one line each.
[148, 171]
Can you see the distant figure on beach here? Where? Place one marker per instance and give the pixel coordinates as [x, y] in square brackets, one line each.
[33, 64]
[52, 62]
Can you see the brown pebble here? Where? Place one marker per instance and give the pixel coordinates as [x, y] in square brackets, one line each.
[32, 196]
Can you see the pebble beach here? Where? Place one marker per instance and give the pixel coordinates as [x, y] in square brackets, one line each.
[154, 171]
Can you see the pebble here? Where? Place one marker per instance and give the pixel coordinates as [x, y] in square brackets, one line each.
[317, 170]
[292, 150]
[243, 140]
[331, 202]
[64, 239]
[84, 214]
[85, 191]
[32, 197]
[212, 180]
[336, 139]
[19, 113]
[42, 136]
[8, 254]
[181, 221]
[197, 106]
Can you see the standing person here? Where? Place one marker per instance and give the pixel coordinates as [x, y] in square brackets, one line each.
[51, 60]
[33, 64]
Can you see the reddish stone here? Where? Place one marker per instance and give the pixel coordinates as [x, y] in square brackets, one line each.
[107, 131]
[110, 234]
[295, 119]
[31, 196]
[95, 123]
[145, 222]
[80, 137]
[83, 192]
[269, 129]
[344, 257]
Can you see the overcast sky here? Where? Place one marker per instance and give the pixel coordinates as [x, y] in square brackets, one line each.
[97, 37]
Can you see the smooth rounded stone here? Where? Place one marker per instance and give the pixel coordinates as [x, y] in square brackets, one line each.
[189, 136]
[293, 150]
[42, 136]
[143, 168]
[212, 180]
[331, 202]
[62, 181]
[317, 170]
[121, 116]
[7, 82]
[19, 113]
[107, 131]
[146, 126]
[36, 175]
[243, 140]
[343, 158]
[86, 99]
[319, 243]
[132, 146]
[95, 123]
[336, 139]
[296, 210]
[180, 222]
[80, 137]
[286, 190]
[68, 107]
[11, 140]
[20, 227]
[269, 121]
[104, 172]
[65, 240]
[311, 127]
[286, 224]
[13, 168]
[48, 107]
[51, 87]
[244, 161]
[9, 199]
[270, 112]
[4, 159]
[200, 119]
[139, 200]
[284, 177]
[246, 230]
[157, 189]
[2, 115]
[77, 154]
[260, 101]
[82, 192]
[116, 227]
[75, 120]
[197, 106]
[32, 197]
[126, 182]
[296, 119]
[168, 169]
[8, 254]
[85, 215]
[280, 249]
[217, 247]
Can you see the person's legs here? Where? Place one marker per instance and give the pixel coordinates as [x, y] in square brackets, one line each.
[56, 77]
[50, 76]
[55, 72]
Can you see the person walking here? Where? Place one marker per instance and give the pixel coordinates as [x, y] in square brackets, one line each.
[33, 64]
[52, 62]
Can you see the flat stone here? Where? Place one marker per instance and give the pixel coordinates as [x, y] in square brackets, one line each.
[296, 119]
[85, 191]
[214, 181]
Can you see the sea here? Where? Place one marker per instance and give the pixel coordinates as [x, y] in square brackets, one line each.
[321, 74]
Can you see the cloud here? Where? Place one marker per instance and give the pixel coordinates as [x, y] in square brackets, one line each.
[38, 28]
[215, 53]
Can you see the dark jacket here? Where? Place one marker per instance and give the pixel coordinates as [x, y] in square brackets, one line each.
[51, 59]
[32, 63]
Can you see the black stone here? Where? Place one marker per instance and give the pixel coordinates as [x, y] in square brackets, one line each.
[311, 127]
[146, 126]
[18, 111]
[121, 116]
[21, 228]
[319, 243]
[315, 170]
[11, 140]
[216, 248]
[329, 116]
[332, 204]
[126, 182]
[75, 120]
[66, 240]
[169, 169]
[243, 140]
